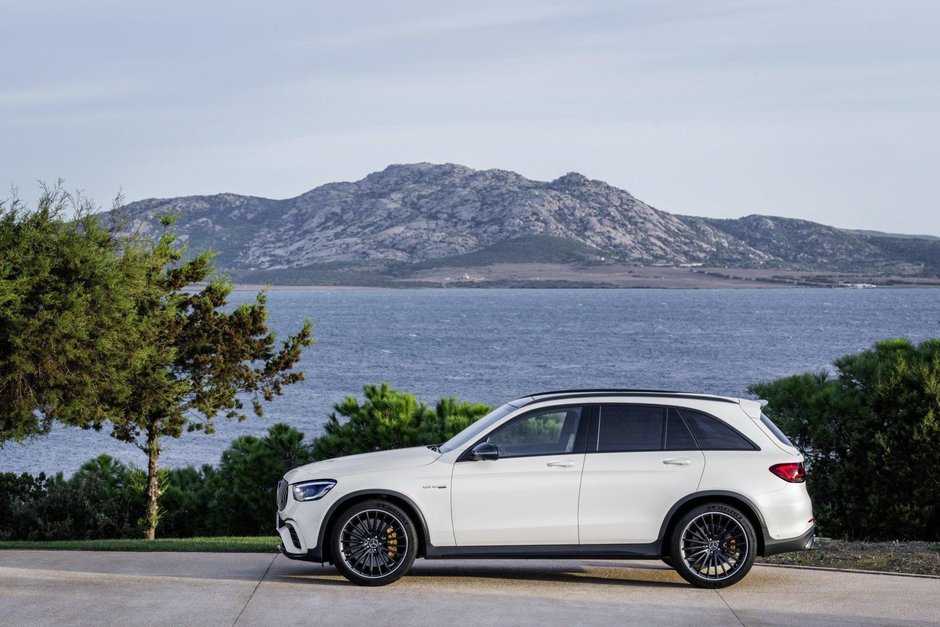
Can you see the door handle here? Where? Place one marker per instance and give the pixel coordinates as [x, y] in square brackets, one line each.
[677, 462]
[560, 464]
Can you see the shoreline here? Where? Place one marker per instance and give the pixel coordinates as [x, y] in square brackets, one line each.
[572, 276]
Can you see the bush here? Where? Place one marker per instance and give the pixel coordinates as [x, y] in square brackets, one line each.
[871, 437]
[104, 499]
[391, 419]
[243, 487]
[187, 502]
[18, 494]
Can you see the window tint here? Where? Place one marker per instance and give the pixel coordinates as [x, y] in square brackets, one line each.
[630, 428]
[775, 430]
[713, 434]
[678, 437]
[548, 432]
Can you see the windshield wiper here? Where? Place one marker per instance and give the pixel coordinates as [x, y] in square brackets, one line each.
[435, 447]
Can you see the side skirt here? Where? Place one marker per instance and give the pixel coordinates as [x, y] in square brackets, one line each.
[547, 551]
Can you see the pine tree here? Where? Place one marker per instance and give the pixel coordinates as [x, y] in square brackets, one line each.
[194, 360]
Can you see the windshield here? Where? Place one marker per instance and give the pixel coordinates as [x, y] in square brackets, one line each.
[478, 427]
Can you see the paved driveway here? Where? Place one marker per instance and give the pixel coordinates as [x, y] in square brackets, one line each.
[40, 587]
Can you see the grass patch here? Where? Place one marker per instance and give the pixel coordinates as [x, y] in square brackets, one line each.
[239, 544]
[918, 558]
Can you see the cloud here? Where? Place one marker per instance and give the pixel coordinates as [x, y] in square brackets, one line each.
[817, 110]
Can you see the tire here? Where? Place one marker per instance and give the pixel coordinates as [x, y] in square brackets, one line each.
[668, 562]
[713, 546]
[373, 543]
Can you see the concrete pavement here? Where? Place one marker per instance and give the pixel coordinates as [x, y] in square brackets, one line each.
[87, 588]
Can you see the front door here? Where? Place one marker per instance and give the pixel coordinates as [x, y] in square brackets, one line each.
[529, 495]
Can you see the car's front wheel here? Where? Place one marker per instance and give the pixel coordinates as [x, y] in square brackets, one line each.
[713, 546]
[374, 543]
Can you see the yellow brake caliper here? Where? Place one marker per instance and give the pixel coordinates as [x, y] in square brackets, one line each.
[392, 537]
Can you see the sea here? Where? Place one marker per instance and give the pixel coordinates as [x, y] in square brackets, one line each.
[494, 345]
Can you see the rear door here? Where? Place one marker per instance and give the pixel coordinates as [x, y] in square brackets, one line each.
[529, 496]
[641, 459]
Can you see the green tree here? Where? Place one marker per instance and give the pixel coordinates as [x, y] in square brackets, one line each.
[66, 314]
[390, 419]
[871, 437]
[193, 358]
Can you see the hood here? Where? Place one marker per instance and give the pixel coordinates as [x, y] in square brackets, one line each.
[365, 462]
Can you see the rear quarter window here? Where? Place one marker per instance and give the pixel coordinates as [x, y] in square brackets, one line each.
[780, 435]
[713, 434]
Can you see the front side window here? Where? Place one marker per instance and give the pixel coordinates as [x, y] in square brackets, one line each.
[630, 428]
[476, 428]
[546, 432]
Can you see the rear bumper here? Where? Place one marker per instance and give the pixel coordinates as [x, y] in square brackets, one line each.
[787, 545]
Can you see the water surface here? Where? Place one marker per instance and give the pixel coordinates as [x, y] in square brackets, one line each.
[495, 345]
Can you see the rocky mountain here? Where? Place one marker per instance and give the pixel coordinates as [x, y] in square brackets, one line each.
[805, 245]
[423, 215]
[800, 243]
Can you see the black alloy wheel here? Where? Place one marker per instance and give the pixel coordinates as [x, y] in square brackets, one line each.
[374, 543]
[713, 546]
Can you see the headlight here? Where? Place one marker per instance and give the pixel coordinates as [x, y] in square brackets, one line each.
[312, 490]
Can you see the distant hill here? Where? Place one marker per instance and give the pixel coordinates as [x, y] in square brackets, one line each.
[418, 216]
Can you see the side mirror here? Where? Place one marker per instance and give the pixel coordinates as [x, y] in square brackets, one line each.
[484, 451]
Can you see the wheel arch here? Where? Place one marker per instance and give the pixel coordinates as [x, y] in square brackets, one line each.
[396, 498]
[713, 496]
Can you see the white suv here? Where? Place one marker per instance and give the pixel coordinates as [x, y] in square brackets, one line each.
[705, 483]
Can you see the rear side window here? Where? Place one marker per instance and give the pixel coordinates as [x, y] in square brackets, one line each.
[713, 434]
[678, 437]
[775, 430]
[630, 428]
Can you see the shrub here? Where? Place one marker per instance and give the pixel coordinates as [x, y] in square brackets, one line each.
[187, 502]
[104, 499]
[871, 437]
[390, 419]
[243, 487]
[18, 493]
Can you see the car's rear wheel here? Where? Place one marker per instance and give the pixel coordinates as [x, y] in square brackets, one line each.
[374, 543]
[713, 546]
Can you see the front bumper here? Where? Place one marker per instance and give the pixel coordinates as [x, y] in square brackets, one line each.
[804, 542]
[293, 544]
[313, 555]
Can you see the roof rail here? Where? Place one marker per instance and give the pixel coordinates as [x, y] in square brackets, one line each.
[594, 390]
[628, 392]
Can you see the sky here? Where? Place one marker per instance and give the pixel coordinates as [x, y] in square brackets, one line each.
[821, 110]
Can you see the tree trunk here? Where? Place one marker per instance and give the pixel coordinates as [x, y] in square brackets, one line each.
[153, 484]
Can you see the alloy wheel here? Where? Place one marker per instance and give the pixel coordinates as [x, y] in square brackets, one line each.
[373, 543]
[714, 546]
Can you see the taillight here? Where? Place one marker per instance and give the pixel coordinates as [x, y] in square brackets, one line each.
[792, 472]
